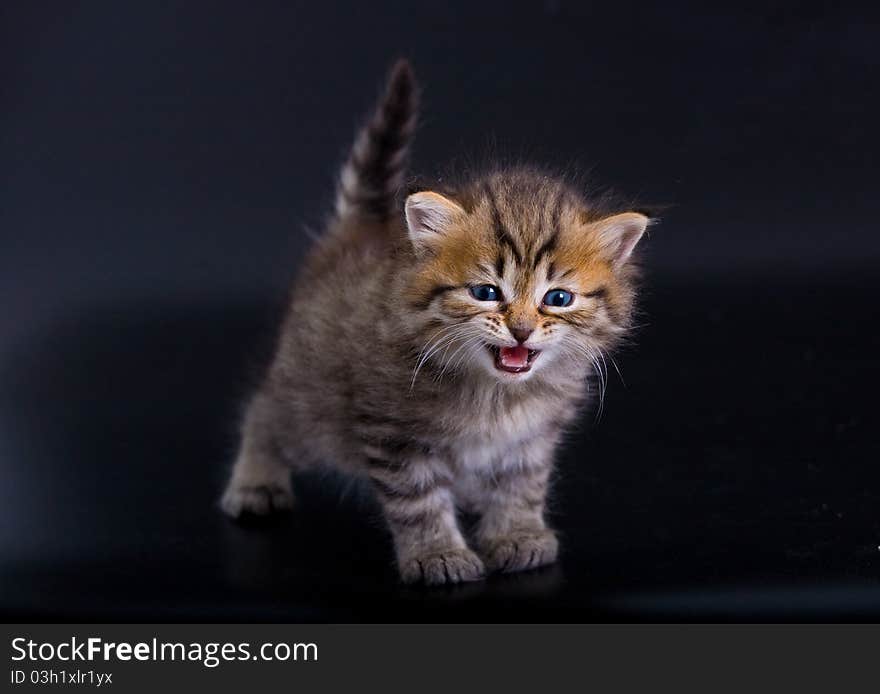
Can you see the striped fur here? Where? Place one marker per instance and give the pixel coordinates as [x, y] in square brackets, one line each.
[373, 173]
[386, 366]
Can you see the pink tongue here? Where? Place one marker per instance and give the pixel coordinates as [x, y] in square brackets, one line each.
[515, 357]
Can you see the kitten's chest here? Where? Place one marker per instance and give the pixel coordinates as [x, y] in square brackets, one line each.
[481, 436]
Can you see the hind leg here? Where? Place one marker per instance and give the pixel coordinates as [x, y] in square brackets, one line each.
[260, 480]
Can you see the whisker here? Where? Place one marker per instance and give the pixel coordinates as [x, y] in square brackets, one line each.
[601, 373]
[617, 369]
[467, 339]
[432, 347]
[451, 333]
[465, 350]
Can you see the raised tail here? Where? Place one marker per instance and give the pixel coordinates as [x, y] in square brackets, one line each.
[376, 166]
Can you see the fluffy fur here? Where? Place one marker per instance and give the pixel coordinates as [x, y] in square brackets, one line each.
[388, 366]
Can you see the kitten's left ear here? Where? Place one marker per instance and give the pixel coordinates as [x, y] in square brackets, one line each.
[617, 236]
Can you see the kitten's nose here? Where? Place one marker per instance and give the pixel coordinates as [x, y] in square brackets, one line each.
[521, 334]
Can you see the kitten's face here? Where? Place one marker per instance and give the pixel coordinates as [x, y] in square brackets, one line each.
[522, 284]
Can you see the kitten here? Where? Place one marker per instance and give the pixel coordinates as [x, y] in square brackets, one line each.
[440, 350]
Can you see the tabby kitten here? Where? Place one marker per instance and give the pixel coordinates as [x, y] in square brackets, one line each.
[440, 350]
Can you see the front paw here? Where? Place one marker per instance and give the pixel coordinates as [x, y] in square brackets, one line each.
[437, 567]
[520, 551]
[255, 500]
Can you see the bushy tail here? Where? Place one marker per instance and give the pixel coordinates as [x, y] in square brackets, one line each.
[376, 166]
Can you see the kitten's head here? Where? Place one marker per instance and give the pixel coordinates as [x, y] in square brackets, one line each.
[517, 277]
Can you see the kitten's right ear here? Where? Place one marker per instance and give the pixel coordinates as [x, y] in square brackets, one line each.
[428, 217]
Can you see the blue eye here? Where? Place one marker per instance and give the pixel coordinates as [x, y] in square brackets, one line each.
[558, 298]
[486, 292]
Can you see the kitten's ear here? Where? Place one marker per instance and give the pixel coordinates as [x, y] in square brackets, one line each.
[428, 216]
[617, 236]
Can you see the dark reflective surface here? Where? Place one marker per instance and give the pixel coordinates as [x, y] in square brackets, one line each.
[733, 476]
[157, 162]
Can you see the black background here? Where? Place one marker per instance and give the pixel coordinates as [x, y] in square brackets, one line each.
[158, 162]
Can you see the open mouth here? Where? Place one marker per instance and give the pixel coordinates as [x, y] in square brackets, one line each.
[515, 360]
